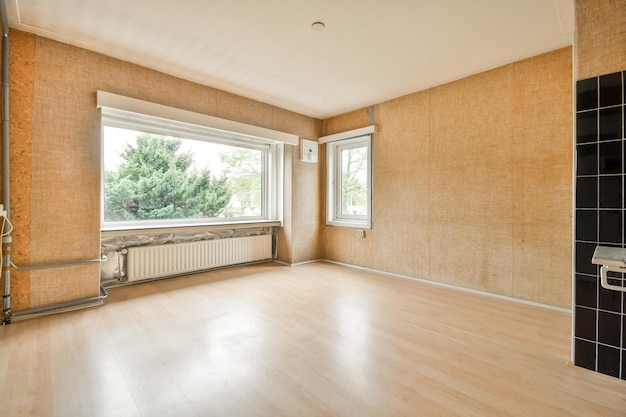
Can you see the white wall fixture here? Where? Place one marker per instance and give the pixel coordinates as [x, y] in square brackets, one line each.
[612, 260]
[308, 151]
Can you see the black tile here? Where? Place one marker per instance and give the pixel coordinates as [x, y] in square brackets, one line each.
[611, 123]
[587, 159]
[587, 94]
[611, 89]
[624, 363]
[609, 300]
[587, 126]
[585, 354]
[587, 225]
[584, 253]
[610, 226]
[609, 328]
[585, 323]
[587, 192]
[624, 330]
[609, 360]
[611, 191]
[610, 157]
[586, 291]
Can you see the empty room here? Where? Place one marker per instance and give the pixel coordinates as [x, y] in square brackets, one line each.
[313, 208]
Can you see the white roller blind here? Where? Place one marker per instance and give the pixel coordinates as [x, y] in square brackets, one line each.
[367, 130]
[156, 118]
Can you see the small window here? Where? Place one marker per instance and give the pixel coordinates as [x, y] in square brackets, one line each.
[349, 188]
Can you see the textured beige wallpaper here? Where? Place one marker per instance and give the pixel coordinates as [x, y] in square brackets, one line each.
[472, 183]
[21, 77]
[471, 187]
[60, 198]
[543, 153]
[469, 177]
[600, 35]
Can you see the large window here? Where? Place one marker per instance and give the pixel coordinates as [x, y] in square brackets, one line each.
[349, 173]
[161, 172]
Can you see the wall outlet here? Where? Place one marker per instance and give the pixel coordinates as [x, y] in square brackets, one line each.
[360, 233]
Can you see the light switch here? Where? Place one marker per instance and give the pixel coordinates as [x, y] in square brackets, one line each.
[308, 151]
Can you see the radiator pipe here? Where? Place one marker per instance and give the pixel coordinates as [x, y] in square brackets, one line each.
[6, 195]
[57, 265]
[63, 307]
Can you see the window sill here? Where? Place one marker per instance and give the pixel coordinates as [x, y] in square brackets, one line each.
[157, 229]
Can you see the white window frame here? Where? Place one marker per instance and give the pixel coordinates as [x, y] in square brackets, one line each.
[335, 144]
[133, 114]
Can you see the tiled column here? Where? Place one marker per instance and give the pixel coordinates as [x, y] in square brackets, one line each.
[599, 322]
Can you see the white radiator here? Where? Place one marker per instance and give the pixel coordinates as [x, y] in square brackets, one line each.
[146, 262]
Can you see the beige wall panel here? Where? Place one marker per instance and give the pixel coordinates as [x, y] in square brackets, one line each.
[353, 120]
[65, 192]
[471, 195]
[543, 178]
[401, 234]
[306, 191]
[306, 209]
[472, 137]
[473, 255]
[403, 138]
[459, 170]
[343, 245]
[599, 37]
[543, 263]
[232, 107]
[21, 76]
[285, 233]
[60, 285]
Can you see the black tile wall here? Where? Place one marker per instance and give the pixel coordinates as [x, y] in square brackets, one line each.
[587, 159]
[611, 123]
[608, 360]
[587, 294]
[600, 314]
[587, 225]
[610, 191]
[587, 94]
[610, 227]
[587, 126]
[585, 354]
[587, 192]
[610, 158]
[611, 89]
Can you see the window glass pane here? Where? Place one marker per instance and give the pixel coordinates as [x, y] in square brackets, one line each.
[151, 177]
[244, 170]
[354, 181]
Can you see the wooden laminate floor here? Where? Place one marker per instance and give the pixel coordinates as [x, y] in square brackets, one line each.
[312, 340]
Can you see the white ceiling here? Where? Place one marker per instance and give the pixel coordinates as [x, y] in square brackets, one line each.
[369, 52]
